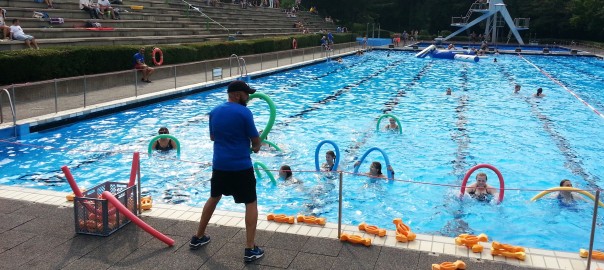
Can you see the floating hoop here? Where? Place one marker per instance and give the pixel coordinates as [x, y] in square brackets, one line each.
[572, 189]
[271, 119]
[336, 148]
[356, 169]
[487, 166]
[268, 172]
[163, 136]
[400, 128]
[161, 56]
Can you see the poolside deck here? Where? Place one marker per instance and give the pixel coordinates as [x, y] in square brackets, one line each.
[37, 233]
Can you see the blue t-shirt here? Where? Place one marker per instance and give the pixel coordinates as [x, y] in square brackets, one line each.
[232, 126]
[139, 57]
[330, 37]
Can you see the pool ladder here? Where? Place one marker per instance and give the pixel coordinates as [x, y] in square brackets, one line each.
[12, 109]
[240, 63]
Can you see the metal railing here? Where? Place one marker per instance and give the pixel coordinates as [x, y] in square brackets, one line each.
[47, 98]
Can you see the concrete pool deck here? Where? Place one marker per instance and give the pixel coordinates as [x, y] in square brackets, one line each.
[36, 228]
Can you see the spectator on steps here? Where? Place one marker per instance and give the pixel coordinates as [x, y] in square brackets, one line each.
[3, 27]
[139, 64]
[105, 7]
[88, 7]
[17, 33]
[48, 3]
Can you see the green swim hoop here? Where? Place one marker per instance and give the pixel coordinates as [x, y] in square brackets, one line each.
[271, 119]
[163, 136]
[259, 175]
[400, 128]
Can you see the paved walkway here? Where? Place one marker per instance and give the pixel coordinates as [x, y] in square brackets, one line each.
[41, 236]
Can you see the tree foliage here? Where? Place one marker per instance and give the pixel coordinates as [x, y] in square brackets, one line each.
[570, 19]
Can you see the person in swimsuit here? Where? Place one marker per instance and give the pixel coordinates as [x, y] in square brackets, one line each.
[392, 126]
[539, 93]
[481, 190]
[285, 174]
[567, 197]
[330, 158]
[164, 144]
[375, 170]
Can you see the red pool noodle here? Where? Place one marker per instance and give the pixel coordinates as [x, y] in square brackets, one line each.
[134, 170]
[72, 182]
[492, 168]
[139, 222]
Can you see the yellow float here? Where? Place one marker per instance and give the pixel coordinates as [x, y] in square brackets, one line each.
[572, 189]
[505, 250]
[371, 229]
[403, 232]
[355, 239]
[598, 255]
[311, 220]
[281, 218]
[450, 265]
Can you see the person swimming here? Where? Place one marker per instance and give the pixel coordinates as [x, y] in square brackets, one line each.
[285, 174]
[375, 170]
[480, 190]
[164, 144]
[329, 164]
[391, 126]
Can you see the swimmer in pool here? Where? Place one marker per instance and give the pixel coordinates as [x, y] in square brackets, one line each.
[448, 93]
[481, 190]
[285, 174]
[391, 126]
[539, 93]
[164, 144]
[329, 164]
[375, 170]
[517, 89]
[567, 197]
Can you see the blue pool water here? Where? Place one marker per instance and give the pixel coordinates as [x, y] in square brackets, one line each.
[534, 142]
[551, 47]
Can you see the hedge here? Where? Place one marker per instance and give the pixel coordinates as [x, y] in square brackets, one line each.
[60, 62]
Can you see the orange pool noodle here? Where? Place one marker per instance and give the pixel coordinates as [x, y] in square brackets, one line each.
[403, 232]
[311, 220]
[505, 250]
[146, 203]
[372, 229]
[471, 241]
[506, 247]
[595, 254]
[355, 239]
[281, 218]
[450, 265]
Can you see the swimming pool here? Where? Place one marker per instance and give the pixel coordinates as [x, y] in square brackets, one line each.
[551, 47]
[534, 142]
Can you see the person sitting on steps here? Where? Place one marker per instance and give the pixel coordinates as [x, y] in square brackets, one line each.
[139, 64]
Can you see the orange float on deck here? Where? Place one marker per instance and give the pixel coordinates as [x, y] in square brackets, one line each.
[471, 241]
[311, 220]
[281, 218]
[595, 254]
[72, 195]
[449, 265]
[505, 250]
[146, 203]
[403, 232]
[371, 229]
[355, 239]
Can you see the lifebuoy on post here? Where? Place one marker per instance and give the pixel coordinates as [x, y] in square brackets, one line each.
[161, 56]
[294, 44]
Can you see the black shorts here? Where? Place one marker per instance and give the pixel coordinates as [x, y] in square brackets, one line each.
[239, 184]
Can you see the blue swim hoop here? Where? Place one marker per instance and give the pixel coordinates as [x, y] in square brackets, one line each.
[163, 136]
[335, 163]
[356, 169]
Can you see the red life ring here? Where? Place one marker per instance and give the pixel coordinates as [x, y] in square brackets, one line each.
[161, 57]
[294, 43]
[487, 166]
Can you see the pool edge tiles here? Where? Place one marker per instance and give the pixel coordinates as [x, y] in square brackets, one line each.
[427, 243]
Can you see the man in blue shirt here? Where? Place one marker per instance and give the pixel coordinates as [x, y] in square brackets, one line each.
[232, 129]
[139, 64]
